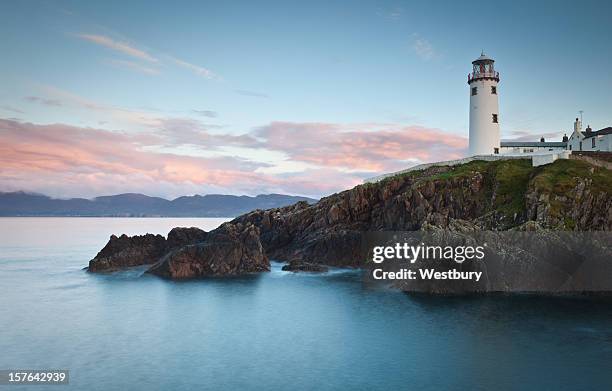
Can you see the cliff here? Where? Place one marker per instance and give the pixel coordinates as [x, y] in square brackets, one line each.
[568, 195]
[501, 195]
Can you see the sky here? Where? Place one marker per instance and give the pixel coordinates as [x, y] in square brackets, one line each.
[309, 98]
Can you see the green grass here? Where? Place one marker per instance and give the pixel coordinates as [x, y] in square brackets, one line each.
[466, 169]
[403, 175]
[509, 180]
[562, 175]
[559, 178]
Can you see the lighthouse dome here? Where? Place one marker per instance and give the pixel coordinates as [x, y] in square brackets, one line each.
[483, 58]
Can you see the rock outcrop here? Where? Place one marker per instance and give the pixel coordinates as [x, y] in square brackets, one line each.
[125, 251]
[179, 237]
[229, 250]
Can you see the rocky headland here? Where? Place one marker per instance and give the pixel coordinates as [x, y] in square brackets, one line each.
[460, 201]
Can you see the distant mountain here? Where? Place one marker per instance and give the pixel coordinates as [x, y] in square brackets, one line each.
[140, 205]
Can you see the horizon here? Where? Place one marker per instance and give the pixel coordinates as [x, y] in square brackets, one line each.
[248, 99]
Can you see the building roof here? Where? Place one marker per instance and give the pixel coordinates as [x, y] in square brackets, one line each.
[539, 144]
[483, 58]
[600, 132]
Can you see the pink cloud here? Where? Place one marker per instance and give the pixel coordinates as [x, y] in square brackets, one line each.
[198, 70]
[135, 66]
[131, 50]
[122, 47]
[50, 157]
[369, 147]
[64, 160]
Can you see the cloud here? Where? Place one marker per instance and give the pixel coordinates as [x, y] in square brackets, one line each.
[57, 159]
[67, 161]
[187, 131]
[44, 101]
[58, 97]
[251, 93]
[314, 158]
[367, 147]
[361, 148]
[198, 70]
[135, 66]
[11, 109]
[140, 54]
[525, 135]
[206, 113]
[423, 48]
[121, 47]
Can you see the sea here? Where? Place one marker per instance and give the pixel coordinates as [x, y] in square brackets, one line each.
[273, 331]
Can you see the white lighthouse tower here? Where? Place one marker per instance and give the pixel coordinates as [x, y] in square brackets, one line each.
[484, 107]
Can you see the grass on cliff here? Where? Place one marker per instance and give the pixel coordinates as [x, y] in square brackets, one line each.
[511, 178]
[507, 181]
[560, 177]
[511, 181]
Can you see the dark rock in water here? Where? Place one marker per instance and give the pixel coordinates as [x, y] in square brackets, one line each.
[297, 266]
[229, 250]
[125, 251]
[179, 237]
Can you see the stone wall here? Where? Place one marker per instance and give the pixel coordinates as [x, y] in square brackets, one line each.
[600, 159]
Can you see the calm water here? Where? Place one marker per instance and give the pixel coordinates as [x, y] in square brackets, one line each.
[276, 330]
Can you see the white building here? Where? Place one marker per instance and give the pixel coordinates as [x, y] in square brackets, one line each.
[588, 140]
[514, 147]
[484, 107]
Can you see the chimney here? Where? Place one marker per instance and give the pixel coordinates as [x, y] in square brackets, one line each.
[577, 126]
[542, 139]
[588, 129]
[565, 139]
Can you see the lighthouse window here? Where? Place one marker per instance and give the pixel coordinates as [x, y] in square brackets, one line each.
[494, 118]
[474, 90]
[493, 90]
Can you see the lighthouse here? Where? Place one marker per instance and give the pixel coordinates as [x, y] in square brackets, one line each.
[484, 107]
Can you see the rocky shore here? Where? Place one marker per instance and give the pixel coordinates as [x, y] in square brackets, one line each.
[568, 195]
